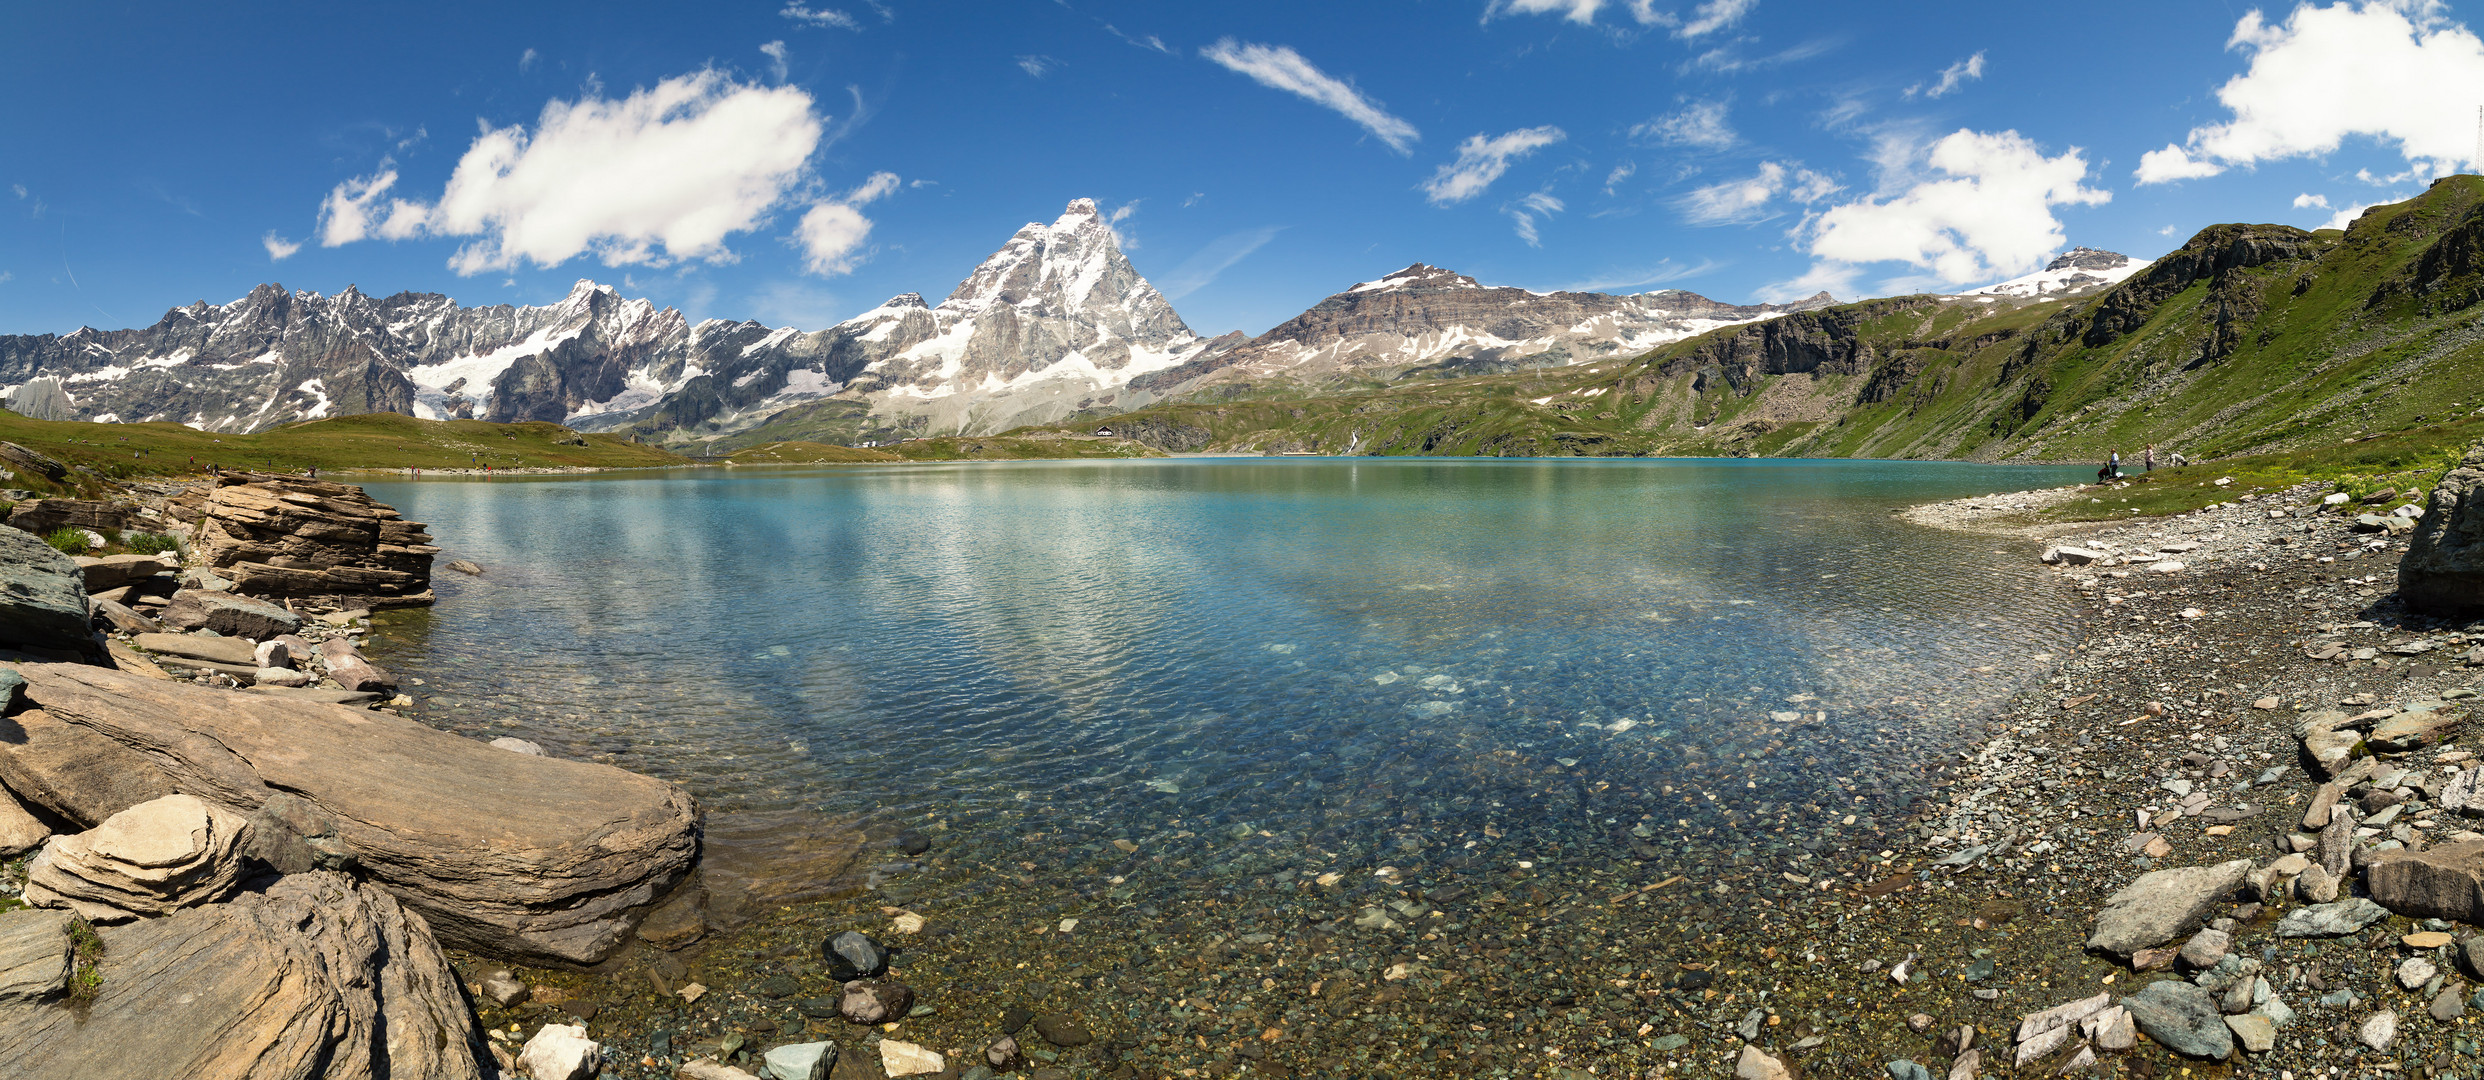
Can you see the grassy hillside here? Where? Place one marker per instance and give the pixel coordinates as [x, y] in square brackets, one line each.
[100, 452]
[808, 453]
[2250, 339]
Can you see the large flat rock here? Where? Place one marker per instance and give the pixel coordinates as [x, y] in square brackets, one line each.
[513, 855]
[74, 771]
[318, 977]
[2160, 904]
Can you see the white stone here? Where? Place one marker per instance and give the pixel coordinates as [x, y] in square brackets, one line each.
[281, 676]
[2379, 1031]
[802, 1061]
[561, 1052]
[517, 746]
[907, 1059]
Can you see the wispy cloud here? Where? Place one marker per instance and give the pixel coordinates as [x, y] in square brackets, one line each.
[1151, 42]
[1220, 254]
[777, 59]
[1665, 270]
[1729, 60]
[1952, 77]
[527, 60]
[1037, 64]
[1703, 20]
[1713, 16]
[1527, 209]
[820, 16]
[278, 248]
[1754, 198]
[1700, 123]
[1620, 173]
[1281, 68]
[1482, 160]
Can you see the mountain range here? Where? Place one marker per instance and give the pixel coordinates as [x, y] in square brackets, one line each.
[1056, 324]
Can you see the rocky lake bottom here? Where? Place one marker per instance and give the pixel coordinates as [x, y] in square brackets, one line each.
[1469, 802]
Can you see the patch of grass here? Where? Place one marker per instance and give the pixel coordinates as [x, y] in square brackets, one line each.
[2411, 459]
[149, 543]
[809, 453]
[68, 540]
[87, 983]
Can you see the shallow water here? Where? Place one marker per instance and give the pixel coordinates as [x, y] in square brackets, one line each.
[1243, 645]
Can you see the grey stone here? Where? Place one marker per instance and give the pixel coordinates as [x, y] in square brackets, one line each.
[853, 955]
[2331, 919]
[2255, 1033]
[2449, 1004]
[2041, 1033]
[73, 772]
[42, 600]
[2443, 569]
[115, 571]
[870, 1001]
[2379, 1031]
[2277, 1011]
[802, 1061]
[1903, 1069]
[230, 614]
[2315, 885]
[2112, 1029]
[561, 1052]
[504, 989]
[2415, 971]
[516, 746]
[2183, 1018]
[36, 955]
[2160, 904]
[2206, 948]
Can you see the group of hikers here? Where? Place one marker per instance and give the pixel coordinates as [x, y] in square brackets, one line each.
[2112, 470]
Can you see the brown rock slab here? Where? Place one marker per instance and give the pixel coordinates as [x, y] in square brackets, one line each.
[20, 830]
[2445, 881]
[316, 977]
[115, 571]
[72, 771]
[35, 955]
[513, 855]
[223, 650]
[281, 536]
[229, 614]
[154, 858]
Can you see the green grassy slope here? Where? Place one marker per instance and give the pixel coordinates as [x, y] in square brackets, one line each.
[2250, 339]
[101, 452]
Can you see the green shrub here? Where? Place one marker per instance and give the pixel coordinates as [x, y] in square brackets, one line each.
[149, 543]
[68, 538]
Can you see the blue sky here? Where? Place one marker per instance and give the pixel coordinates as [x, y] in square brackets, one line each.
[799, 162]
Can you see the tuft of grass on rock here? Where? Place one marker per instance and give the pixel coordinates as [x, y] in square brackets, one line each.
[88, 982]
[68, 540]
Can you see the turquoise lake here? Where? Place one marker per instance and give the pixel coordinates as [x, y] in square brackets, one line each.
[1683, 647]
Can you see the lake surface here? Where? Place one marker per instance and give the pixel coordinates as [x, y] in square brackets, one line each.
[1245, 646]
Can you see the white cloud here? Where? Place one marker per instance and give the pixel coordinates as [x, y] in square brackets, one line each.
[663, 175]
[527, 60]
[1036, 65]
[1151, 42]
[278, 248]
[1952, 77]
[1527, 209]
[1992, 216]
[820, 16]
[1620, 172]
[2386, 69]
[1741, 202]
[20, 189]
[1700, 123]
[1707, 18]
[1221, 253]
[1482, 161]
[2347, 216]
[2308, 200]
[832, 231]
[1281, 68]
[2166, 231]
[777, 53]
[1715, 15]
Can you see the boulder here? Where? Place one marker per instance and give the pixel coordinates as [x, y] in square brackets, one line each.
[20, 830]
[2445, 881]
[561, 1052]
[18, 457]
[532, 858]
[152, 859]
[2443, 570]
[2414, 729]
[39, 516]
[2160, 904]
[72, 771]
[229, 614]
[42, 600]
[317, 977]
[2183, 1018]
[115, 571]
[285, 536]
[36, 955]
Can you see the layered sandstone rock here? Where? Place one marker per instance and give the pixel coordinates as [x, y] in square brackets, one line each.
[154, 858]
[328, 545]
[514, 855]
[317, 977]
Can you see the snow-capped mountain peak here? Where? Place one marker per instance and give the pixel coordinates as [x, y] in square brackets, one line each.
[2077, 271]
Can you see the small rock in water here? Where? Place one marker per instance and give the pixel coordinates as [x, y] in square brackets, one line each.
[853, 955]
[1749, 1028]
[802, 1061]
[504, 989]
[2379, 1031]
[2255, 1033]
[1060, 1030]
[2332, 919]
[873, 1002]
[467, 568]
[1756, 1064]
[1902, 1069]
[2183, 1018]
[907, 1059]
[2206, 948]
[911, 842]
[517, 745]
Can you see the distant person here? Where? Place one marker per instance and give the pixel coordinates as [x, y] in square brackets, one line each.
[2148, 464]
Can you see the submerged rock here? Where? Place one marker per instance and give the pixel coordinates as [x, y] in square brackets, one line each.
[2183, 1018]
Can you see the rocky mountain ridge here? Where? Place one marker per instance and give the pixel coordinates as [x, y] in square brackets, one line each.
[1055, 324]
